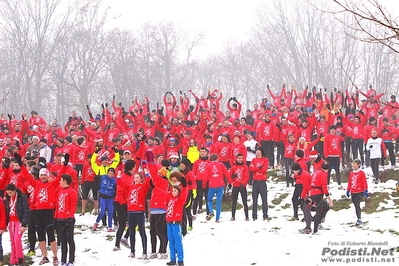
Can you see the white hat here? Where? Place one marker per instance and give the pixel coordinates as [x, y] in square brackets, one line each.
[44, 171]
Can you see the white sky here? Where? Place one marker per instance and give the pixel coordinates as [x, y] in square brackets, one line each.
[219, 20]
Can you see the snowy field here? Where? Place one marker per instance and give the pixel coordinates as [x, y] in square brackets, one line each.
[272, 242]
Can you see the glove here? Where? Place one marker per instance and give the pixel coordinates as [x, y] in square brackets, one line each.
[348, 194]
[260, 167]
[307, 201]
[6, 162]
[98, 149]
[229, 186]
[115, 149]
[87, 107]
[194, 193]
[66, 157]
[234, 176]
[248, 148]
[366, 194]
[18, 158]
[300, 201]
[9, 116]
[371, 146]
[106, 105]
[113, 97]
[102, 106]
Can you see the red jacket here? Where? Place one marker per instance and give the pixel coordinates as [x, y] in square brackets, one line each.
[45, 193]
[79, 155]
[259, 167]
[357, 182]
[332, 146]
[199, 168]
[87, 173]
[67, 200]
[159, 196]
[175, 206]
[305, 179]
[136, 199]
[318, 184]
[123, 184]
[239, 174]
[224, 151]
[215, 173]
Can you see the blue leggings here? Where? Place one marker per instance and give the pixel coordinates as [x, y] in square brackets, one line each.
[175, 239]
[106, 205]
[219, 194]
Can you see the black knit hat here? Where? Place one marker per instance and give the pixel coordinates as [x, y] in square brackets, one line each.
[186, 162]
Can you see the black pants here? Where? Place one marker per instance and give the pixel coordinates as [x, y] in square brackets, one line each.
[389, 147]
[259, 188]
[137, 219]
[374, 163]
[31, 231]
[44, 221]
[280, 151]
[319, 147]
[66, 231]
[234, 195]
[268, 147]
[187, 209]
[356, 199]
[307, 215]
[121, 211]
[357, 149]
[158, 229]
[334, 162]
[317, 202]
[198, 201]
[295, 198]
[287, 166]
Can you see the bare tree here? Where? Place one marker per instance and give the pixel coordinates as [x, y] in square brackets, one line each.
[87, 48]
[373, 21]
[32, 30]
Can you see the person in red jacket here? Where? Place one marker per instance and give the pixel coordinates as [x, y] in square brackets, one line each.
[240, 175]
[17, 212]
[357, 187]
[158, 208]
[136, 202]
[123, 183]
[174, 216]
[332, 153]
[45, 197]
[215, 174]
[300, 174]
[318, 188]
[199, 168]
[79, 155]
[65, 209]
[87, 182]
[259, 167]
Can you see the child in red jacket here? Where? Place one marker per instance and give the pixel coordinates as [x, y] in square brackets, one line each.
[174, 218]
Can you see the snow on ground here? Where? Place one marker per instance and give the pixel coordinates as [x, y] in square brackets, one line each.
[271, 242]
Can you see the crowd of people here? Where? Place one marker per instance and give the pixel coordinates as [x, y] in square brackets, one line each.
[165, 165]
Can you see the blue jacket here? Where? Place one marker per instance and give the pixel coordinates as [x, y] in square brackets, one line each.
[107, 187]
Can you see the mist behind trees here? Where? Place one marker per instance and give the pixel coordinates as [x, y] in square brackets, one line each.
[57, 56]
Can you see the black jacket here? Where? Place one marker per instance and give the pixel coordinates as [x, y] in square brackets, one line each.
[22, 207]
